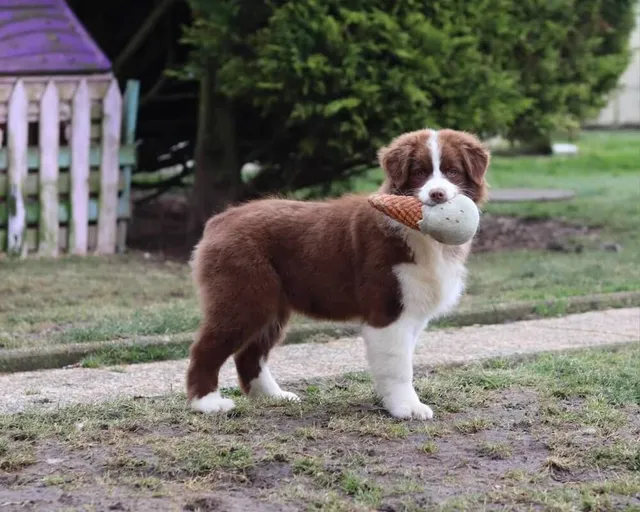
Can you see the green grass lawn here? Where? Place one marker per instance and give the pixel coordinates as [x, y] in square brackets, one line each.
[558, 432]
[94, 299]
[606, 178]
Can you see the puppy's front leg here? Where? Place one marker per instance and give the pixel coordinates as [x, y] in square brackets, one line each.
[390, 355]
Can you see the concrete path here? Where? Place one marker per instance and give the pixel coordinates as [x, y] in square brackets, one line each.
[55, 388]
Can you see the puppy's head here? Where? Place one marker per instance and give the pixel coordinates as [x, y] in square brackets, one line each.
[435, 166]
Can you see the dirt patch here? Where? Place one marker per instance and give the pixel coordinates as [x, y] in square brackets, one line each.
[502, 233]
[510, 449]
[160, 226]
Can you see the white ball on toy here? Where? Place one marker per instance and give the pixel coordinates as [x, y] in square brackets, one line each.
[452, 223]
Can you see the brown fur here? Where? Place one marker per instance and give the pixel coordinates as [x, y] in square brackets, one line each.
[334, 259]
[407, 162]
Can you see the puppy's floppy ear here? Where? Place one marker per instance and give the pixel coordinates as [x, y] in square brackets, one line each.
[477, 158]
[394, 160]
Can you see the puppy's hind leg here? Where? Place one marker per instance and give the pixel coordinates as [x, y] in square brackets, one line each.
[212, 348]
[251, 362]
[234, 313]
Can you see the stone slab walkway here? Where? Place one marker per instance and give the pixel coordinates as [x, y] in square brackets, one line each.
[54, 388]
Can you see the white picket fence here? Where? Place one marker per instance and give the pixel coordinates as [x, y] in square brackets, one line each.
[78, 127]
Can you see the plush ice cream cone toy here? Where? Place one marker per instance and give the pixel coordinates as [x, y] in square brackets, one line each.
[452, 223]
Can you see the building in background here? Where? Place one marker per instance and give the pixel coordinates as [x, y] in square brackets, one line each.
[623, 109]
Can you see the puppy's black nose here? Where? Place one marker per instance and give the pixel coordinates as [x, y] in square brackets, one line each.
[438, 195]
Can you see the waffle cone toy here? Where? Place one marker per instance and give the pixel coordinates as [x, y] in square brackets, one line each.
[406, 210]
[452, 223]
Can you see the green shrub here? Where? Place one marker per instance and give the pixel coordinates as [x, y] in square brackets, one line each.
[568, 55]
[315, 86]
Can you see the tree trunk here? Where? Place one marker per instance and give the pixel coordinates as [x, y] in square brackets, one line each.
[217, 171]
[535, 146]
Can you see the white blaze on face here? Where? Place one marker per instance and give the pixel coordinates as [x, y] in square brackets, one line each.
[437, 179]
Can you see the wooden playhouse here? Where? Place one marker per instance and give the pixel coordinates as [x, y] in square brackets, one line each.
[67, 135]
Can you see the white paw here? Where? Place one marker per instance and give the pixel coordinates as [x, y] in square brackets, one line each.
[287, 395]
[212, 403]
[275, 395]
[406, 410]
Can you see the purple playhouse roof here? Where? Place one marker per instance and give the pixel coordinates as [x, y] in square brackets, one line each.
[39, 37]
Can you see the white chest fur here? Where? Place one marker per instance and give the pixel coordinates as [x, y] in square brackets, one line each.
[433, 284]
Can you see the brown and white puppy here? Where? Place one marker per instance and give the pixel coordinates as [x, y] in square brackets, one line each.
[338, 259]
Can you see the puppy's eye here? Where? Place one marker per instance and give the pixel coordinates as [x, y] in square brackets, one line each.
[452, 172]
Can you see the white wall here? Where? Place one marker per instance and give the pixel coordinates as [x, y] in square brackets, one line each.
[623, 109]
